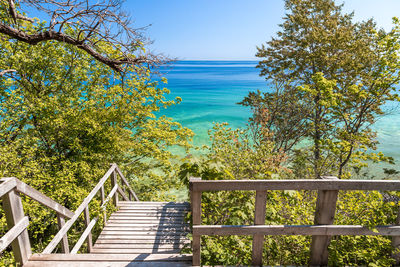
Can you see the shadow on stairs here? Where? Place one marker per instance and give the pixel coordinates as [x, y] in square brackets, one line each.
[138, 234]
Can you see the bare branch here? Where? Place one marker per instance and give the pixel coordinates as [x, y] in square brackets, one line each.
[85, 24]
[3, 72]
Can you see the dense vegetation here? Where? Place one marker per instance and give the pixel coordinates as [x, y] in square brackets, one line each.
[66, 114]
[64, 117]
[329, 78]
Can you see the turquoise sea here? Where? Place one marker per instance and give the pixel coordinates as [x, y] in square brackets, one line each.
[210, 91]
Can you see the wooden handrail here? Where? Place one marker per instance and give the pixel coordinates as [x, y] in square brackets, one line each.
[317, 230]
[10, 190]
[17, 222]
[7, 184]
[84, 235]
[57, 238]
[84, 206]
[327, 188]
[13, 233]
[259, 185]
[127, 184]
[11, 182]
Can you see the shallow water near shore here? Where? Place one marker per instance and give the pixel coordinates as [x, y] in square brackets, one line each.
[210, 91]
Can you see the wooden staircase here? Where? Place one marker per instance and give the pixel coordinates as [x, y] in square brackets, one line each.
[153, 233]
[138, 234]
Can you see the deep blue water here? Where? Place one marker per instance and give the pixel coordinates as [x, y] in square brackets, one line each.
[210, 91]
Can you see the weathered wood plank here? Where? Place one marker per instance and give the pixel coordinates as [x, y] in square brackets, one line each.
[164, 232]
[169, 225]
[149, 203]
[57, 238]
[114, 183]
[259, 219]
[83, 237]
[110, 196]
[121, 192]
[169, 204]
[110, 257]
[159, 209]
[148, 213]
[227, 185]
[140, 237]
[157, 246]
[324, 214]
[14, 213]
[13, 233]
[7, 184]
[147, 221]
[102, 197]
[396, 243]
[64, 241]
[147, 217]
[132, 251]
[294, 230]
[153, 240]
[127, 184]
[88, 230]
[195, 201]
[108, 264]
[42, 199]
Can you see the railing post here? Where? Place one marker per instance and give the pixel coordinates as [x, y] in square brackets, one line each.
[87, 221]
[64, 241]
[113, 183]
[259, 219]
[396, 243]
[195, 203]
[14, 212]
[324, 214]
[102, 196]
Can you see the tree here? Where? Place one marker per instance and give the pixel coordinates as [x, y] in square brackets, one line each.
[333, 78]
[65, 116]
[100, 28]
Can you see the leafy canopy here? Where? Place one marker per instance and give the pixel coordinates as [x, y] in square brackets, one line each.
[330, 79]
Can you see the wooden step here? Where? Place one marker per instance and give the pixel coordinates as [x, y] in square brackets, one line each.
[107, 264]
[152, 203]
[139, 246]
[136, 257]
[143, 241]
[135, 251]
[145, 218]
[164, 234]
[149, 214]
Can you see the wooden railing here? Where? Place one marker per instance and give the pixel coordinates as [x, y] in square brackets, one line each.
[17, 236]
[321, 232]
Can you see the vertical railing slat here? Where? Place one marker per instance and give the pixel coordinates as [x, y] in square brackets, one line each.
[196, 220]
[324, 214]
[14, 212]
[87, 222]
[259, 219]
[64, 241]
[113, 183]
[396, 243]
[102, 196]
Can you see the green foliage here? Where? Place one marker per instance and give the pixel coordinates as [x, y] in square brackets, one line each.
[65, 117]
[228, 158]
[330, 78]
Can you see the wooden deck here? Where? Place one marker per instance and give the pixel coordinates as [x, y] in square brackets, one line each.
[138, 234]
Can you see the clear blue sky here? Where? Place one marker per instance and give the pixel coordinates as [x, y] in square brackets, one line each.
[228, 29]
